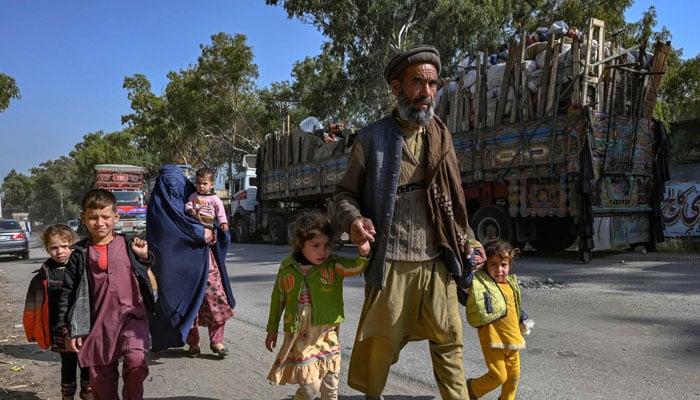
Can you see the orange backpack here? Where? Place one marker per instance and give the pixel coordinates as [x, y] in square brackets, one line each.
[36, 310]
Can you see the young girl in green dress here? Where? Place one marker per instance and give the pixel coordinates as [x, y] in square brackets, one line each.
[309, 292]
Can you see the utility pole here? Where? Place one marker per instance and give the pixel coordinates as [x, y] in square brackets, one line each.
[283, 105]
[60, 193]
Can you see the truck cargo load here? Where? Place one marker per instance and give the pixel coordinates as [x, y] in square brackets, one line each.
[555, 141]
[557, 144]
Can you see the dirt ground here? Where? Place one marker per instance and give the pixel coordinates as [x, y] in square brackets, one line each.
[29, 373]
[26, 371]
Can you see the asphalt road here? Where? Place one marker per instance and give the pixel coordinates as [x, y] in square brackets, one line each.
[625, 326]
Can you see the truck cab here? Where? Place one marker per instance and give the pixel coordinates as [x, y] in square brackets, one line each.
[243, 189]
[126, 182]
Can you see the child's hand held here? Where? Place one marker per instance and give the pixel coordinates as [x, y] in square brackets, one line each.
[270, 341]
[364, 248]
[526, 326]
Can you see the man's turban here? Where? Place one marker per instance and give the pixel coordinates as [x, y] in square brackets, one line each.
[416, 55]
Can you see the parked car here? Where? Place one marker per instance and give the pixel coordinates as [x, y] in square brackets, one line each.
[13, 239]
[74, 224]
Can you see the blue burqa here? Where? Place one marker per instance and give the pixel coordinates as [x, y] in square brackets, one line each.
[181, 259]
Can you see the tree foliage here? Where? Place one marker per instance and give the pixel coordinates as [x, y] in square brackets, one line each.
[54, 195]
[17, 193]
[364, 34]
[99, 148]
[321, 85]
[278, 106]
[8, 91]
[149, 122]
[681, 89]
[206, 117]
[211, 112]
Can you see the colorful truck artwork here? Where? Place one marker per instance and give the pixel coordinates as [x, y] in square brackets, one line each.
[126, 182]
[681, 209]
[556, 146]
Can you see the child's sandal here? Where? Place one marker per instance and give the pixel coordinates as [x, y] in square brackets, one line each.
[222, 352]
[194, 352]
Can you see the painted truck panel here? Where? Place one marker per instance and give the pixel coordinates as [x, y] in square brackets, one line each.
[126, 182]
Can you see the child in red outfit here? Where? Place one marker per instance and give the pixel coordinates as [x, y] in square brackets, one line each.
[105, 302]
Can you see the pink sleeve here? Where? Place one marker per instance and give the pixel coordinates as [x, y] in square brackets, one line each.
[190, 201]
[220, 210]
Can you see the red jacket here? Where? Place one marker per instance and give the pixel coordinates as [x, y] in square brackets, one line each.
[36, 310]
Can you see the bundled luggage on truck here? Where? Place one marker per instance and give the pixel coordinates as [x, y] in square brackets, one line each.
[291, 173]
[126, 182]
[558, 144]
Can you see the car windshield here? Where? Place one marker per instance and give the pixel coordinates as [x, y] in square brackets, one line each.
[9, 224]
[128, 198]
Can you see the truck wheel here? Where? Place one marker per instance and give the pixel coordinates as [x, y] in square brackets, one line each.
[492, 222]
[278, 230]
[240, 231]
[554, 233]
[291, 226]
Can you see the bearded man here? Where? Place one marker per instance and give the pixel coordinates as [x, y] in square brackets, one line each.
[402, 191]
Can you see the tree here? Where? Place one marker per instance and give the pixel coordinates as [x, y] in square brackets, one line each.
[278, 104]
[100, 148]
[53, 198]
[681, 89]
[206, 117]
[364, 34]
[679, 107]
[149, 122]
[321, 84]
[8, 91]
[17, 193]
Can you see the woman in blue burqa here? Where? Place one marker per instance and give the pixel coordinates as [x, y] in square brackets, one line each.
[190, 267]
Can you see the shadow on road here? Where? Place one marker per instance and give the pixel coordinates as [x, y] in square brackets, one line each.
[29, 351]
[17, 395]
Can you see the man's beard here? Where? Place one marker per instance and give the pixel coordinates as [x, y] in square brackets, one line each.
[416, 116]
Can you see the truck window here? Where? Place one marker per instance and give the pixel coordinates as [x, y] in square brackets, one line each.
[252, 181]
[129, 198]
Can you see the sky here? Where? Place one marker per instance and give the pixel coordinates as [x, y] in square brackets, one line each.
[70, 57]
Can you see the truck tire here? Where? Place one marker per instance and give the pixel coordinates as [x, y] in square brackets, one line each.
[291, 226]
[278, 230]
[241, 234]
[492, 222]
[554, 233]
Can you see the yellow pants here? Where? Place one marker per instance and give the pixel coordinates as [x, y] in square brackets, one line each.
[504, 371]
[419, 302]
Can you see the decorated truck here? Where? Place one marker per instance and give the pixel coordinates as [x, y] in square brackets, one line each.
[556, 144]
[291, 173]
[126, 182]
